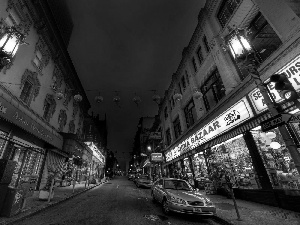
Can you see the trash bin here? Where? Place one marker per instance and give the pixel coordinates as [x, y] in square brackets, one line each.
[12, 203]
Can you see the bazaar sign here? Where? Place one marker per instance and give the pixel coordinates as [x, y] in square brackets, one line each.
[235, 115]
[292, 71]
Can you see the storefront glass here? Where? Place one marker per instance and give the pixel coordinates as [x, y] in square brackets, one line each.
[188, 175]
[28, 164]
[277, 159]
[200, 170]
[232, 157]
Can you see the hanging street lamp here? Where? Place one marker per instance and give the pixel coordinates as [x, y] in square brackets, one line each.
[59, 95]
[78, 98]
[196, 93]
[9, 44]
[137, 100]
[177, 97]
[99, 99]
[156, 99]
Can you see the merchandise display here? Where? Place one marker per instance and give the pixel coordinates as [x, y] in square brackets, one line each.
[200, 170]
[277, 159]
[232, 158]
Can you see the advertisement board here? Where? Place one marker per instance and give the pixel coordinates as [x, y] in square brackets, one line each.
[156, 157]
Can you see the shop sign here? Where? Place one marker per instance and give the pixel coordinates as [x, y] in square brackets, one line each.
[156, 157]
[292, 71]
[235, 115]
[18, 117]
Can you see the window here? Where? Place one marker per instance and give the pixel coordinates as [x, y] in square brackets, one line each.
[190, 113]
[166, 112]
[177, 127]
[26, 92]
[49, 107]
[213, 90]
[206, 44]
[183, 83]
[194, 64]
[187, 78]
[180, 90]
[47, 110]
[262, 37]
[38, 60]
[199, 54]
[226, 10]
[168, 136]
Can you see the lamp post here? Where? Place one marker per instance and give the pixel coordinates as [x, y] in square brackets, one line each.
[246, 57]
[9, 43]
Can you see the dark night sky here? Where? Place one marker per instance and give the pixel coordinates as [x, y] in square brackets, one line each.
[129, 46]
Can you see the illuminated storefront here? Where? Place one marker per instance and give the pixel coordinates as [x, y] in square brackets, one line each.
[258, 162]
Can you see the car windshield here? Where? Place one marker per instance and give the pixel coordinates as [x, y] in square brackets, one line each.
[177, 185]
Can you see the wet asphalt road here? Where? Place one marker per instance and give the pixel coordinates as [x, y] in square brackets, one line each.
[117, 202]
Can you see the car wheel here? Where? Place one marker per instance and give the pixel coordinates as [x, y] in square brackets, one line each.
[165, 207]
[153, 198]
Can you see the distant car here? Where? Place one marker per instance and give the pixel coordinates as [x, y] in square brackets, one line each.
[143, 181]
[131, 176]
[179, 196]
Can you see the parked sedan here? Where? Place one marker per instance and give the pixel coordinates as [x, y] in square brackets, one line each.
[179, 196]
[131, 176]
[143, 181]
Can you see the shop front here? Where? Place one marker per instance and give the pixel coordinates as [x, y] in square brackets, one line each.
[25, 142]
[258, 163]
[98, 162]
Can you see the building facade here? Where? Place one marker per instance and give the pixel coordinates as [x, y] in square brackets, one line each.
[212, 110]
[41, 94]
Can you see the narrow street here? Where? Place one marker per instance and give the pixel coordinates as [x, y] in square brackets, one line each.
[117, 202]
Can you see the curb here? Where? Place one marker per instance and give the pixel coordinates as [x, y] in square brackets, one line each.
[221, 220]
[49, 206]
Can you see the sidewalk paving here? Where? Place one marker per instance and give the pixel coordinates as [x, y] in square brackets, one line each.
[34, 205]
[252, 213]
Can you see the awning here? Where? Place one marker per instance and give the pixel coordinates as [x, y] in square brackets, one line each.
[55, 160]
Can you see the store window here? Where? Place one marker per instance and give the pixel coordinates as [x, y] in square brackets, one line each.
[232, 157]
[213, 90]
[190, 114]
[177, 127]
[200, 170]
[276, 158]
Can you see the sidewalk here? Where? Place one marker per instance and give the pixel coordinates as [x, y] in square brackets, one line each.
[252, 213]
[34, 205]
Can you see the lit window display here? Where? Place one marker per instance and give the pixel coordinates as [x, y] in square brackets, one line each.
[188, 175]
[232, 157]
[200, 170]
[277, 160]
